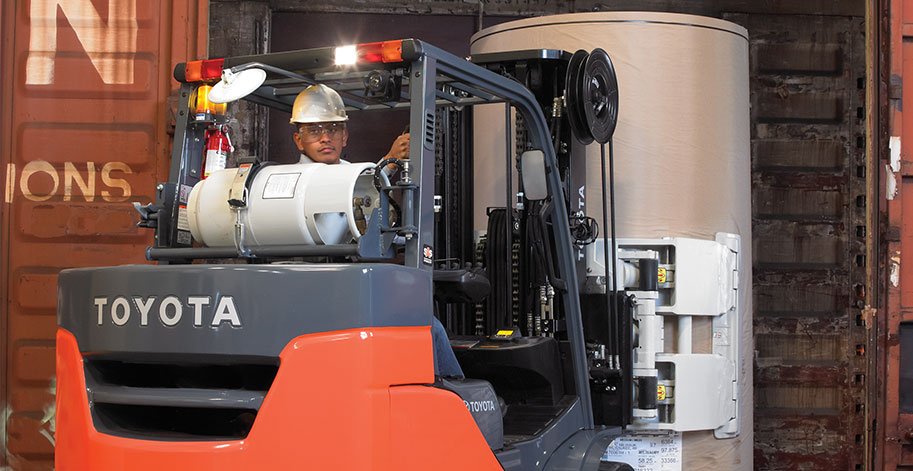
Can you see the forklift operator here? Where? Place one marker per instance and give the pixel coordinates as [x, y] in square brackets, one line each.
[320, 119]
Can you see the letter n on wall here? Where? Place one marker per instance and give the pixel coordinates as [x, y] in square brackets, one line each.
[110, 45]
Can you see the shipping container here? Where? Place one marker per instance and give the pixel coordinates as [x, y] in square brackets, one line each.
[895, 321]
[86, 97]
[86, 108]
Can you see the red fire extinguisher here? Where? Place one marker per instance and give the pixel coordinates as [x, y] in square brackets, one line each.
[218, 145]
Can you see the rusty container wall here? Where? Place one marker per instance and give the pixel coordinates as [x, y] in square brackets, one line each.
[895, 339]
[808, 218]
[681, 153]
[85, 132]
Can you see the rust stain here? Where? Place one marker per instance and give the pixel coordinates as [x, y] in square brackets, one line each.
[868, 316]
[48, 420]
[773, 375]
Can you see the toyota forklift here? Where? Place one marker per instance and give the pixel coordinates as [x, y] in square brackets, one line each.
[286, 323]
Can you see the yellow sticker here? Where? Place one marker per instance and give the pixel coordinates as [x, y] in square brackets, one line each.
[504, 333]
[661, 391]
[661, 275]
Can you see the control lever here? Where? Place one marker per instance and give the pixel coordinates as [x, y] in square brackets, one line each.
[149, 215]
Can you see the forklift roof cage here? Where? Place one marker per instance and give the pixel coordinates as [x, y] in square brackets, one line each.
[426, 77]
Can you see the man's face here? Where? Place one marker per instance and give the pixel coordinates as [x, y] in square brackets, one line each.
[322, 142]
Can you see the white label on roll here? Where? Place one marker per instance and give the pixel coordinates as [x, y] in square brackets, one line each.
[280, 185]
[647, 451]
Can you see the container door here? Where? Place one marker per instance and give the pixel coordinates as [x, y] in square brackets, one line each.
[85, 132]
[895, 406]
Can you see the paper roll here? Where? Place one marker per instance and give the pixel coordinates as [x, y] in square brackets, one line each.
[682, 158]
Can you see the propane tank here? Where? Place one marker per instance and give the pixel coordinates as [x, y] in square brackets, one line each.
[218, 146]
[308, 204]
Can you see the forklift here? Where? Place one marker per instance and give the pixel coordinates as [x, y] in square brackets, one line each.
[286, 323]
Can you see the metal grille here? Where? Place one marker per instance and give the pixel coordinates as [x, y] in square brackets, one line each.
[176, 401]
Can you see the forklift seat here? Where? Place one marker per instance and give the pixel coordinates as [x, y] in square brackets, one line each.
[460, 285]
[522, 369]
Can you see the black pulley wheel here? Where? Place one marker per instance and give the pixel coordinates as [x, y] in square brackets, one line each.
[600, 96]
[573, 100]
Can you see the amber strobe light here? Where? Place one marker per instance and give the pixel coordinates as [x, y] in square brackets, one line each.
[202, 104]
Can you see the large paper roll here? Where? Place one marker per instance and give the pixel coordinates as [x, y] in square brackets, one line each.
[682, 159]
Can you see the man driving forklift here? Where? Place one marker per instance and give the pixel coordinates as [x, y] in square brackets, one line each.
[319, 116]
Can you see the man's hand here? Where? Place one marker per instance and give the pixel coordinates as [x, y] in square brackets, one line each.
[400, 147]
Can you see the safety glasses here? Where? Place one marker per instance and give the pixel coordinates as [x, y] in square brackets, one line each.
[313, 132]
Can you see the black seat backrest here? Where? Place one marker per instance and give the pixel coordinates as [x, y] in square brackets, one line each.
[460, 285]
[525, 369]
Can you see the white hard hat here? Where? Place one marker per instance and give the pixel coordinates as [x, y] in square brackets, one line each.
[318, 104]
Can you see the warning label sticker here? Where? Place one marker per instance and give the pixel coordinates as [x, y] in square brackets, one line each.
[183, 221]
[647, 451]
[280, 185]
[184, 237]
[184, 193]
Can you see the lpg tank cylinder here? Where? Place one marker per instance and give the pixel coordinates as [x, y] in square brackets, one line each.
[681, 147]
[309, 204]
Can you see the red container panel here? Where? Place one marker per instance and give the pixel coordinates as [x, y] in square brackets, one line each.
[85, 132]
